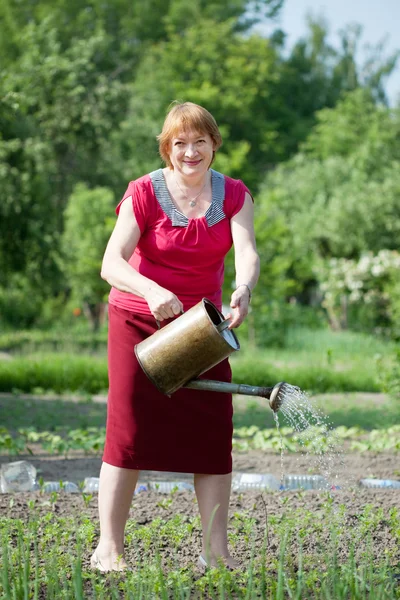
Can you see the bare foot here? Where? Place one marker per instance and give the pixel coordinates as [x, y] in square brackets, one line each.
[215, 561]
[108, 563]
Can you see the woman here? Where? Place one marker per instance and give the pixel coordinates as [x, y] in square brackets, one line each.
[174, 229]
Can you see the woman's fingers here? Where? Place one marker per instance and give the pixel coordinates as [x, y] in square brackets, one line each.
[163, 304]
[168, 310]
[238, 318]
[177, 308]
[240, 306]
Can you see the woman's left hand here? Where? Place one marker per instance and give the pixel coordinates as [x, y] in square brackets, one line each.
[240, 303]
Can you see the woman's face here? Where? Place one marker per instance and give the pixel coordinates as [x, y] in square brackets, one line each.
[191, 153]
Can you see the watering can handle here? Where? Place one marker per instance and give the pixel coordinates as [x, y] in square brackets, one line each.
[223, 325]
[159, 324]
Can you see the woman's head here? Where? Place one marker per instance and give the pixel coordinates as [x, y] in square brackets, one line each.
[190, 120]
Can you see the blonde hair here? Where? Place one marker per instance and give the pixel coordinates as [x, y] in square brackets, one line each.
[187, 116]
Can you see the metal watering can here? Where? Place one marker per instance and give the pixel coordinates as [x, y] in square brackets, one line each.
[174, 356]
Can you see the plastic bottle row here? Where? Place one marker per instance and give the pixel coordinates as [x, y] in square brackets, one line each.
[20, 476]
[258, 481]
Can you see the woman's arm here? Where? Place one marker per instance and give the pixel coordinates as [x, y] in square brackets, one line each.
[247, 262]
[117, 271]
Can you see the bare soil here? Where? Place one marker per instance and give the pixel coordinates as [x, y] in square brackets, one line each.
[261, 507]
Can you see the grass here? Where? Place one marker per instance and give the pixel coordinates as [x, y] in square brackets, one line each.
[318, 361]
[367, 411]
[291, 554]
[58, 372]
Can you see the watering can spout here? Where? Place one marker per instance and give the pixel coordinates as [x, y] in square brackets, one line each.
[276, 394]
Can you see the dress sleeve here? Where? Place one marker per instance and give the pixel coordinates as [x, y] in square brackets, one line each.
[139, 201]
[235, 196]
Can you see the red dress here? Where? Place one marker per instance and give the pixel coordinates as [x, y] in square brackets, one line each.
[191, 431]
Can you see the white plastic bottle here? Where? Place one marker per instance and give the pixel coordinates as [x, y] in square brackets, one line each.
[380, 483]
[254, 481]
[91, 484]
[166, 487]
[305, 482]
[54, 486]
[19, 476]
[141, 487]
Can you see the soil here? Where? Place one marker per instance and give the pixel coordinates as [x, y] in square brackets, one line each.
[260, 506]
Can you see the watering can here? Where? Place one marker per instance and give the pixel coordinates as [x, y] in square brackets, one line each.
[174, 356]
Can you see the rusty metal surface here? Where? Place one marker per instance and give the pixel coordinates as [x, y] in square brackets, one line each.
[186, 347]
[229, 388]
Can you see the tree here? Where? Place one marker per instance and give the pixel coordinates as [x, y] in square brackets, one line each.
[89, 220]
[340, 196]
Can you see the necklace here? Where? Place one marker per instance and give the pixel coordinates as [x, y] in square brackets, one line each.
[192, 202]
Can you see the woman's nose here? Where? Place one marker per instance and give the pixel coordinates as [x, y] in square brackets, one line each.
[191, 150]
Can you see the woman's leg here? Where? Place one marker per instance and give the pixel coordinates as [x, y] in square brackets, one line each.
[212, 491]
[115, 497]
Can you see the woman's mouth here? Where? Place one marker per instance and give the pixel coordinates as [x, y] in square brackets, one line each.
[192, 163]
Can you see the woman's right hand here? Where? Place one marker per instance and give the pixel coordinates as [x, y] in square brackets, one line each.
[163, 304]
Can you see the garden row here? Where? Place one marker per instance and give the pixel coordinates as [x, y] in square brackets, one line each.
[296, 546]
[91, 440]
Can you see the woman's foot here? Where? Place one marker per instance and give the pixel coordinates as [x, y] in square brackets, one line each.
[228, 561]
[111, 563]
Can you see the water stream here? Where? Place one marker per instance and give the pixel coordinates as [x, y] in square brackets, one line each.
[276, 418]
[315, 434]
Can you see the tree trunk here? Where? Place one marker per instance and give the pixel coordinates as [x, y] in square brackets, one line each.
[95, 314]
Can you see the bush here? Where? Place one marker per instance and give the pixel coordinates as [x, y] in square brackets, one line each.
[314, 378]
[390, 376]
[64, 373]
[19, 305]
[267, 326]
[54, 340]
[58, 373]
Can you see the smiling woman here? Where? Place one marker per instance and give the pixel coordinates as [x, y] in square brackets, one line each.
[174, 229]
[185, 118]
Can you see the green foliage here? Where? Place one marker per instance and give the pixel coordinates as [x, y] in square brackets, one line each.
[64, 373]
[362, 285]
[314, 378]
[88, 225]
[19, 303]
[390, 375]
[268, 324]
[339, 198]
[316, 440]
[56, 339]
[58, 373]
[314, 359]
[84, 91]
[58, 115]
[357, 128]
[42, 550]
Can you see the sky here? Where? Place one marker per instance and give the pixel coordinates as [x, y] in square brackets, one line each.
[380, 20]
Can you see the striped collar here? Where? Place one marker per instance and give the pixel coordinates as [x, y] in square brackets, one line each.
[215, 212]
